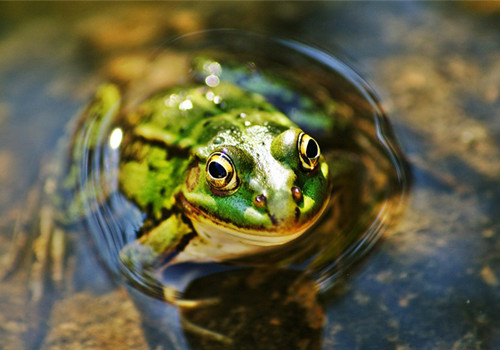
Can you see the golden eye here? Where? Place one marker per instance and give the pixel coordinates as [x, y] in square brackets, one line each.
[308, 151]
[221, 173]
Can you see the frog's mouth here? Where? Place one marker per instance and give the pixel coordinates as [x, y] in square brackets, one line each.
[218, 231]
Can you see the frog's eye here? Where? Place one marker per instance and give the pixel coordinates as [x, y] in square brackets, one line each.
[308, 151]
[221, 173]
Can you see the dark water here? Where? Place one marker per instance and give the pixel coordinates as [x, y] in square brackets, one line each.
[430, 282]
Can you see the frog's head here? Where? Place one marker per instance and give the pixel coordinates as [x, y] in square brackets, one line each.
[261, 188]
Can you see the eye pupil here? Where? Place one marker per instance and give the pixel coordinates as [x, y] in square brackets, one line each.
[221, 174]
[308, 151]
[312, 149]
[217, 170]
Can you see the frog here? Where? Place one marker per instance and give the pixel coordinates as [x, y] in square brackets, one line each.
[221, 173]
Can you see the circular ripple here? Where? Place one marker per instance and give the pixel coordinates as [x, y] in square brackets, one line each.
[317, 91]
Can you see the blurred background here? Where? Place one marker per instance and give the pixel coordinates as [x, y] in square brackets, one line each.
[430, 283]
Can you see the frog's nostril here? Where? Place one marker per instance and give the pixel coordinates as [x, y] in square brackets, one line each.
[260, 201]
[296, 193]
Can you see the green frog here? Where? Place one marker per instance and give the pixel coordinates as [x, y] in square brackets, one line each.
[220, 172]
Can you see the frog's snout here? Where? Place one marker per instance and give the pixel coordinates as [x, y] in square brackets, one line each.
[260, 201]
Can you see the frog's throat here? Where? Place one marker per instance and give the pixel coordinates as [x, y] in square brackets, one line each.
[219, 232]
[216, 233]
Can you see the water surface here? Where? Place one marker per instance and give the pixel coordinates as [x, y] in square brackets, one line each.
[431, 282]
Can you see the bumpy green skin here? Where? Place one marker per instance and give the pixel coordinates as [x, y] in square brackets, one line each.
[167, 141]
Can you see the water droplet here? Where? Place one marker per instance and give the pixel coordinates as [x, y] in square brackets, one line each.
[116, 138]
[185, 105]
[218, 140]
[210, 95]
[212, 80]
[213, 68]
[172, 100]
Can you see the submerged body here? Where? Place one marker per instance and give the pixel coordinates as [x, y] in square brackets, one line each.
[219, 172]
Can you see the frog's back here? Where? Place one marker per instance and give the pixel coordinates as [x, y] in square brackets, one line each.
[186, 117]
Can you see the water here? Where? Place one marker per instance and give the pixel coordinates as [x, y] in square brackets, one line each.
[431, 282]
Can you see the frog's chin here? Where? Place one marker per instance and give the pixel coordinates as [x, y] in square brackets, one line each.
[220, 234]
